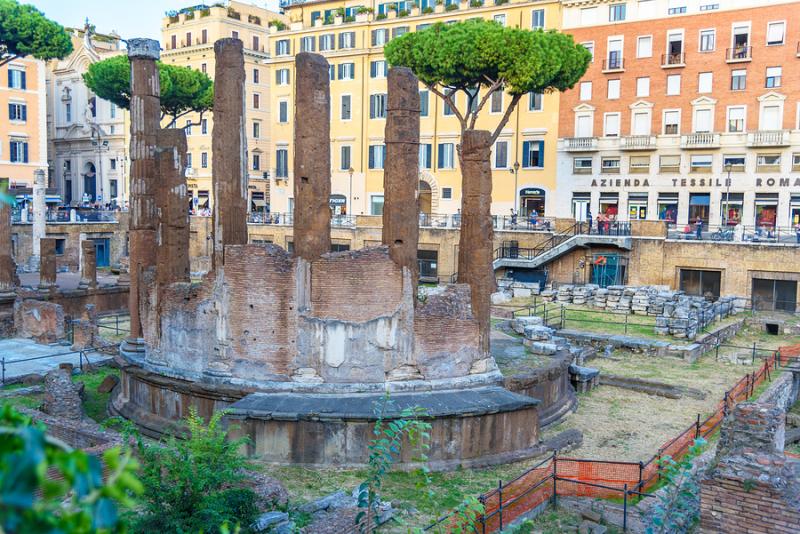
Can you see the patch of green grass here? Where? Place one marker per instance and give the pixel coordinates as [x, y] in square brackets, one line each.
[553, 521]
[23, 401]
[95, 403]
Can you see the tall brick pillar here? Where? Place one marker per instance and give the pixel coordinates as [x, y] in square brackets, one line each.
[172, 201]
[475, 254]
[229, 146]
[145, 119]
[312, 157]
[47, 265]
[8, 268]
[401, 174]
[88, 265]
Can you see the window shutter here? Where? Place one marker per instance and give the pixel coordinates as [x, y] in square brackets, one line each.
[371, 106]
[540, 157]
[24, 152]
[373, 68]
[10, 78]
[374, 37]
[23, 82]
[10, 111]
[372, 157]
[24, 113]
[440, 154]
[526, 153]
[12, 153]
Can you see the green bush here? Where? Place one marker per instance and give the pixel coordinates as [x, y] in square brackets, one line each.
[381, 16]
[451, 7]
[195, 484]
[427, 11]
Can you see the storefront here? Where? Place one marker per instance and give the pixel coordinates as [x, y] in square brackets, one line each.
[668, 207]
[531, 199]
[766, 210]
[581, 203]
[699, 207]
[609, 205]
[637, 206]
[731, 207]
[794, 210]
[338, 204]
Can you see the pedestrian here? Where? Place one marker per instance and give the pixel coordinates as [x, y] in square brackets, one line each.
[589, 219]
[797, 232]
[513, 219]
[698, 228]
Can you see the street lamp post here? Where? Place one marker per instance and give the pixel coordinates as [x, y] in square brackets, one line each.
[350, 171]
[515, 171]
[728, 168]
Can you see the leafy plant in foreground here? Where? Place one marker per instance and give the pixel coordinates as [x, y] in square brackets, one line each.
[678, 506]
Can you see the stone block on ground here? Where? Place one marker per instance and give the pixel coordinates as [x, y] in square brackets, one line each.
[108, 384]
[538, 332]
[269, 520]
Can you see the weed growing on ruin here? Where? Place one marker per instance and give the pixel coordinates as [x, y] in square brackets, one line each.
[678, 506]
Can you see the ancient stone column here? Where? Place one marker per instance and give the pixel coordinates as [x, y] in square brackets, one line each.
[312, 157]
[47, 265]
[88, 265]
[229, 146]
[475, 246]
[401, 172]
[8, 269]
[173, 202]
[39, 229]
[145, 119]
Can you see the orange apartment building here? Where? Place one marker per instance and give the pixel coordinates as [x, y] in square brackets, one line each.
[690, 110]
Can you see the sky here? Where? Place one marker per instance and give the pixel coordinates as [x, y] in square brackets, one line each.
[137, 18]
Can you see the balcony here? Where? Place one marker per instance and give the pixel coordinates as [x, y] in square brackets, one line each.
[637, 142]
[700, 140]
[673, 61]
[768, 138]
[580, 144]
[739, 54]
[613, 64]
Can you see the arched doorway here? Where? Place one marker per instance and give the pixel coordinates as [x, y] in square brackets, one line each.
[425, 198]
[89, 182]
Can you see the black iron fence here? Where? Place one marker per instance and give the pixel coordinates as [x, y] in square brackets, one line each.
[5, 362]
[786, 235]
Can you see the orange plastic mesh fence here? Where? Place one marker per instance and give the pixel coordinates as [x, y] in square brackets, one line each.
[519, 496]
[792, 352]
[611, 474]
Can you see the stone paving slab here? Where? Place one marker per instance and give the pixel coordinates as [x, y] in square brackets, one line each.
[13, 350]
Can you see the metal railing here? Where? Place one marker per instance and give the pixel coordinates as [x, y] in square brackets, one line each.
[637, 142]
[4, 363]
[673, 60]
[61, 216]
[600, 228]
[613, 63]
[785, 235]
[739, 53]
[580, 144]
[700, 140]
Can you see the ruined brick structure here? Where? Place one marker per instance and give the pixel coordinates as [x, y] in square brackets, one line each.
[88, 265]
[8, 269]
[47, 265]
[300, 348]
[172, 199]
[753, 486]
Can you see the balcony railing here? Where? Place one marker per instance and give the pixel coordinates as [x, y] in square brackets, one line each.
[613, 64]
[735, 233]
[768, 138]
[637, 142]
[669, 61]
[739, 54]
[700, 140]
[580, 144]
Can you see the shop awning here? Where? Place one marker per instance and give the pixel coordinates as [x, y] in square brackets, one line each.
[259, 203]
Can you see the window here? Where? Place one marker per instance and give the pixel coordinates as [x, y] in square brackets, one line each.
[256, 101]
[425, 155]
[535, 101]
[327, 42]
[775, 33]
[445, 154]
[501, 155]
[347, 71]
[204, 160]
[380, 37]
[701, 162]
[204, 126]
[735, 161]
[424, 97]
[672, 119]
[377, 106]
[377, 69]
[173, 41]
[282, 163]
[639, 164]
[204, 37]
[611, 125]
[189, 160]
[376, 205]
[586, 91]
[768, 161]
[588, 16]
[256, 43]
[447, 193]
[496, 105]
[61, 245]
[702, 121]
[643, 86]
[673, 84]
[582, 165]
[68, 112]
[235, 34]
[112, 111]
[256, 162]
[308, 43]
[18, 152]
[282, 47]
[590, 47]
[676, 7]
[641, 123]
[283, 112]
[500, 19]
[203, 68]
[773, 77]
[771, 118]
[616, 12]
[399, 30]
[708, 40]
[699, 283]
[796, 162]
[113, 162]
[532, 154]
[17, 112]
[282, 77]
[344, 158]
[256, 130]
[17, 79]
[609, 165]
[613, 89]
[614, 54]
[736, 115]
[347, 40]
[473, 99]
[537, 18]
[584, 125]
[738, 80]
[669, 163]
[345, 112]
[377, 154]
[447, 110]
[644, 46]
[705, 82]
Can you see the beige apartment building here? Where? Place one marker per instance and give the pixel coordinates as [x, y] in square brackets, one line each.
[188, 38]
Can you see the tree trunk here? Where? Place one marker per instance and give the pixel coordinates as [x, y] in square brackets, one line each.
[475, 247]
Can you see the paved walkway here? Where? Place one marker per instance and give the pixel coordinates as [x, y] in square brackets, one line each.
[12, 351]
[66, 281]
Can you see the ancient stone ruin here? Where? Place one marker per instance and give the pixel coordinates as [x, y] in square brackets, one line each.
[267, 335]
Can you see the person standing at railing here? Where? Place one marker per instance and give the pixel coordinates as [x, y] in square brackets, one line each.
[589, 220]
[533, 218]
[513, 219]
[698, 228]
[797, 232]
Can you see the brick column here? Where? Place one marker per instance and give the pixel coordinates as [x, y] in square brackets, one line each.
[172, 202]
[88, 265]
[8, 269]
[229, 146]
[145, 123]
[47, 265]
[312, 157]
[475, 253]
[401, 173]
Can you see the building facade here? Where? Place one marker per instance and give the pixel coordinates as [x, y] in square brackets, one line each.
[351, 35]
[88, 136]
[23, 122]
[689, 111]
[188, 38]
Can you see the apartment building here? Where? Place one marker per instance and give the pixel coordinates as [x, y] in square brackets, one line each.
[23, 122]
[351, 35]
[188, 38]
[689, 111]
